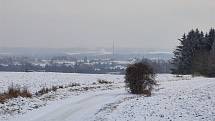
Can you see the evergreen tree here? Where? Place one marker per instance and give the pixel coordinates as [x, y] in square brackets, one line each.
[184, 54]
[195, 54]
[211, 39]
[177, 59]
[211, 57]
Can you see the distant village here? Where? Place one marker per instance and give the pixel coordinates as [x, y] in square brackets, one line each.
[70, 64]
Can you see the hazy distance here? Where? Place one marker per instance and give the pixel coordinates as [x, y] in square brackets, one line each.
[146, 24]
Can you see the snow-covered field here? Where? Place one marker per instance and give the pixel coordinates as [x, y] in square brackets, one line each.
[36, 80]
[175, 99]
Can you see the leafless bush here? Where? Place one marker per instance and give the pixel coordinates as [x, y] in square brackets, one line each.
[139, 78]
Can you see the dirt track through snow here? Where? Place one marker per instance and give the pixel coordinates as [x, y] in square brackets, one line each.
[80, 109]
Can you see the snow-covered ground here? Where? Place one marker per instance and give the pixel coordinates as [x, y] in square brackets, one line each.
[175, 99]
[34, 81]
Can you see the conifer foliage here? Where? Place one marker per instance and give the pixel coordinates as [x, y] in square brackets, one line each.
[195, 54]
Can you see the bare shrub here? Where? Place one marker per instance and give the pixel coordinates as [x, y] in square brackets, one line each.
[139, 78]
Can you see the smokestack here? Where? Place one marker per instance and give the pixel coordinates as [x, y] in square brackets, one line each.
[113, 53]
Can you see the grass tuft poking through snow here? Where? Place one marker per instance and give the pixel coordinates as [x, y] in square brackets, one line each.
[102, 81]
[14, 92]
[46, 90]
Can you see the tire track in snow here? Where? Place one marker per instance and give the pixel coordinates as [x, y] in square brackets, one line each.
[79, 110]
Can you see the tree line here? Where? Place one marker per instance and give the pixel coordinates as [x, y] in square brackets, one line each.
[195, 54]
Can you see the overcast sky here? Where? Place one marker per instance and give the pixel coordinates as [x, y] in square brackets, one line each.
[150, 24]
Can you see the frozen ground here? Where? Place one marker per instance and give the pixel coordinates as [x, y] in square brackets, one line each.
[175, 99]
[35, 80]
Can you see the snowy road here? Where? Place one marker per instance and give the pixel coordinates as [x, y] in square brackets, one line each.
[75, 109]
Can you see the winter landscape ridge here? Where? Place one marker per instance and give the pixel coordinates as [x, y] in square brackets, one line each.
[107, 60]
[175, 98]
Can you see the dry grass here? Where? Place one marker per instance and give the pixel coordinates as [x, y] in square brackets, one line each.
[46, 90]
[147, 93]
[14, 92]
[54, 88]
[43, 91]
[72, 85]
[102, 81]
